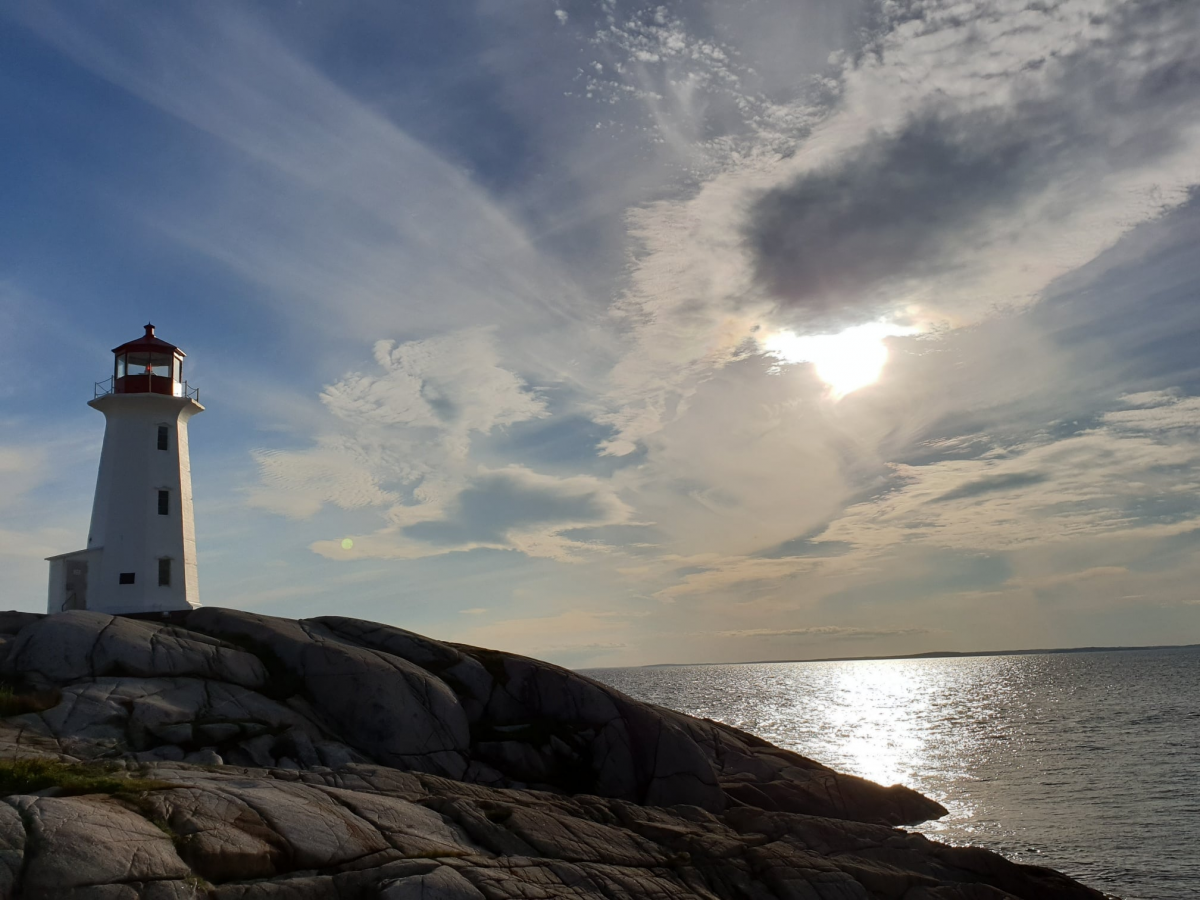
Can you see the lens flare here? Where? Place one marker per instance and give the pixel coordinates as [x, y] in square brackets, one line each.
[347, 544]
[846, 361]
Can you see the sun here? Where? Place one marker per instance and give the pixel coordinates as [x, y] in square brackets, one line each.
[845, 361]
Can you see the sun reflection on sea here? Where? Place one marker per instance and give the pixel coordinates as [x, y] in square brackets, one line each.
[1050, 759]
[874, 714]
[920, 723]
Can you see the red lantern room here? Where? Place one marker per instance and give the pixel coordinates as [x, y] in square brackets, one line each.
[149, 365]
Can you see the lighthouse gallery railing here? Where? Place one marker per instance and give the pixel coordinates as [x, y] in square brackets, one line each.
[180, 388]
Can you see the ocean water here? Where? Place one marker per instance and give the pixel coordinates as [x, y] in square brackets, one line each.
[1085, 762]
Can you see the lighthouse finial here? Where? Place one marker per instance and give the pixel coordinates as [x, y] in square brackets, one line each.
[149, 330]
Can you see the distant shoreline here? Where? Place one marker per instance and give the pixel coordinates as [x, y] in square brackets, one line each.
[931, 654]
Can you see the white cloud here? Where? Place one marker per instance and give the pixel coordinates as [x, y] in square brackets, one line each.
[410, 422]
[826, 632]
[1056, 507]
[513, 508]
[718, 576]
[1138, 470]
[21, 469]
[339, 470]
[1156, 412]
[452, 385]
[983, 232]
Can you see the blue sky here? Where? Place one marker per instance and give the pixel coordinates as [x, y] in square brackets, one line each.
[520, 298]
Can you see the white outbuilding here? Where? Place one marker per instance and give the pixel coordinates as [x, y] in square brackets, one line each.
[141, 548]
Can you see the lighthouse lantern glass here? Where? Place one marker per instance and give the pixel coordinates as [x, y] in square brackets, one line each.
[160, 365]
[148, 371]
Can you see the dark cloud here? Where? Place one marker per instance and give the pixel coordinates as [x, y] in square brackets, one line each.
[805, 547]
[904, 202]
[991, 485]
[1164, 508]
[631, 536]
[685, 571]
[560, 443]
[890, 210]
[499, 502]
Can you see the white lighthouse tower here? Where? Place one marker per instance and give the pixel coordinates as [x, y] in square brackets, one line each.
[141, 549]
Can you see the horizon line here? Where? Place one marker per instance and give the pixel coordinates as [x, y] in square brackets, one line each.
[928, 654]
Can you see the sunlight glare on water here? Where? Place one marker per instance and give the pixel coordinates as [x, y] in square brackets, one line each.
[881, 743]
[1086, 762]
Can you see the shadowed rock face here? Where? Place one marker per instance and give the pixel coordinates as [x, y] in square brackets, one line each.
[338, 758]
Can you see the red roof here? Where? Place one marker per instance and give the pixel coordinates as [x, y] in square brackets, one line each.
[148, 343]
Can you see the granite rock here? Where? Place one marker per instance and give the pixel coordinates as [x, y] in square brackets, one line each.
[335, 758]
[75, 842]
[78, 645]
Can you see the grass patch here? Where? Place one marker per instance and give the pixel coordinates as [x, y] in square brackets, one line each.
[16, 702]
[148, 811]
[195, 882]
[27, 776]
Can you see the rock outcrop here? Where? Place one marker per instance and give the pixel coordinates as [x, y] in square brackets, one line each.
[255, 757]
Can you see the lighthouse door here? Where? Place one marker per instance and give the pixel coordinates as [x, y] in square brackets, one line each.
[76, 586]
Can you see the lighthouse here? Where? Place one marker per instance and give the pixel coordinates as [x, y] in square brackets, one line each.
[141, 547]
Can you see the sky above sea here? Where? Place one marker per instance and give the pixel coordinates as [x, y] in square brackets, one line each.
[618, 333]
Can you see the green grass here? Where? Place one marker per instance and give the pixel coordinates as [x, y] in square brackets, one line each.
[26, 776]
[15, 702]
[195, 882]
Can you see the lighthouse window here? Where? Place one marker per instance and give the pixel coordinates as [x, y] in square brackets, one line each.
[164, 573]
[125, 578]
[164, 503]
[157, 364]
[162, 437]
